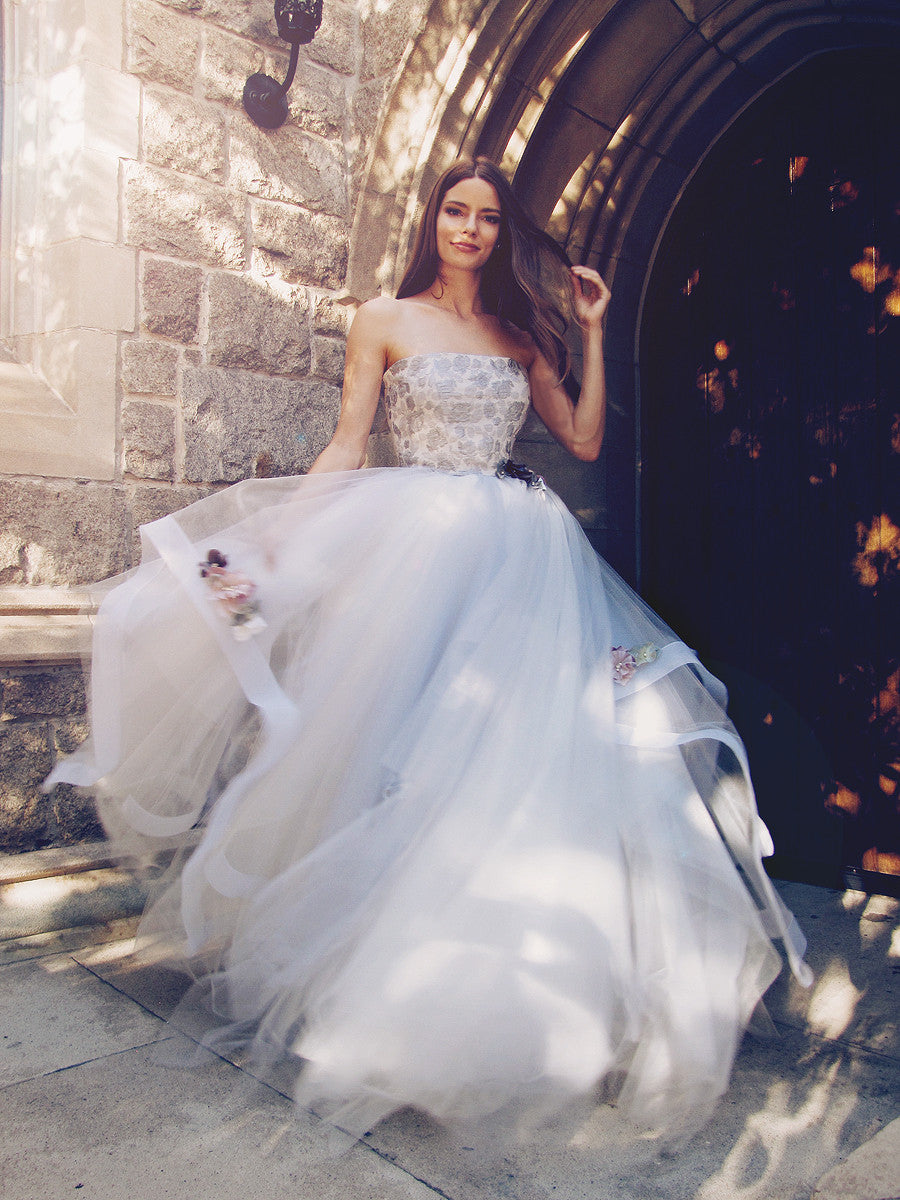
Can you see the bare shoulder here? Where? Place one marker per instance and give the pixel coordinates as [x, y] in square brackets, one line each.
[375, 313]
[378, 319]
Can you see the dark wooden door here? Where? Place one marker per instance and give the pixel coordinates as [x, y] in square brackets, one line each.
[770, 495]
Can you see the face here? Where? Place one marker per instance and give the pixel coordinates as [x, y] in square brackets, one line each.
[468, 224]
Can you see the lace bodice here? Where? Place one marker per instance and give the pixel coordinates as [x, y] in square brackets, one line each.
[454, 411]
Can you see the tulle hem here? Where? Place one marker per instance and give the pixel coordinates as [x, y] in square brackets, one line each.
[444, 860]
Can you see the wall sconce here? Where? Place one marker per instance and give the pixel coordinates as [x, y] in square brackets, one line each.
[265, 99]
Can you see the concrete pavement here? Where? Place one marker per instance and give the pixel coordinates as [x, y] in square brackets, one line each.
[89, 1106]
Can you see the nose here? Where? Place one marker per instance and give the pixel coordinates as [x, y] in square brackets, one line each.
[471, 224]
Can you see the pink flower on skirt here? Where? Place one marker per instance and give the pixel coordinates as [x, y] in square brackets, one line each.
[234, 594]
[623, 664]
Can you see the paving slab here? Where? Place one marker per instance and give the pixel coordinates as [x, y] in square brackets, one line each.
[796, 1106]
[870, 1173]
[124, 1127]
[53, 1014]
[58, 940]
[153, 984]
[103, 1099]
[854, 951]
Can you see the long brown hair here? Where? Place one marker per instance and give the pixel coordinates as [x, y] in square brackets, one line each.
[521, 282]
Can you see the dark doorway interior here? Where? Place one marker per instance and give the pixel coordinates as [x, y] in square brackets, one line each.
[770, 458]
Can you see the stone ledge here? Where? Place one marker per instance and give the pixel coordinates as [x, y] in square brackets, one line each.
[18, 601]
[56, 860]
[63, 889]
[41, 626]
[38, 906]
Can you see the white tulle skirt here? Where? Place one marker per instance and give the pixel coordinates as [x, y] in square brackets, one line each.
[445, 861]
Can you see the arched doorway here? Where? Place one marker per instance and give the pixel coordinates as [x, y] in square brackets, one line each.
[770, 489]
[602, 111]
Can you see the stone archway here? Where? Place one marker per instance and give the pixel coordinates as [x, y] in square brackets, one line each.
[601, 111]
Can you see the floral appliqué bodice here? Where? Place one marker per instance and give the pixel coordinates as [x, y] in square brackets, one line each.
[454, 411]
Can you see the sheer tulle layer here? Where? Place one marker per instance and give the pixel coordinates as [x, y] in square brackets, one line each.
[445, 861]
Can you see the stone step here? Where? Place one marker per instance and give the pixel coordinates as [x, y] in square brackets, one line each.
[54, 902]
[64, 888]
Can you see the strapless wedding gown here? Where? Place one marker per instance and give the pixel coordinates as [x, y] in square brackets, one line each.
[475, 831]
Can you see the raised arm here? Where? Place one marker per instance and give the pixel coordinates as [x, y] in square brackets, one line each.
[580, 427]
[367, 345]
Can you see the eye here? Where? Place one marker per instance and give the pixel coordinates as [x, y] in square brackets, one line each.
[491, 218]
[453, 210]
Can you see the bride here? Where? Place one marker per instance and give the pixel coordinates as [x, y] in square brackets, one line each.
[475, 832]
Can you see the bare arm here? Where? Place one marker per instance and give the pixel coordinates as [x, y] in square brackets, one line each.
[367, 345]
[580, 427]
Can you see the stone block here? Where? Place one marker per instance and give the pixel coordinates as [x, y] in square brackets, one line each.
[252, 18]
[69, 734]
[289, 165]
[170, 299]
[332, 316]
[61, 534]
[17, 319]
[184, 134]
[367, 106]
[162, 47]
[88, 283]
[255, 327]
[74, 816]
[112, 105]
[88, 30]
[238, 425]
[183, 217]
[149, 503]
[68, 357]
[22, 390]
[367, 103]
[149, 440]
[45, 694]
[186, 6]
[299, 246]
[84, 201]
[328, 359]
[335, 45]
[318, 103]
[77, 199]
[150, 368]
[25, 761]
[386, 32]
[70, 437]
[229, 61]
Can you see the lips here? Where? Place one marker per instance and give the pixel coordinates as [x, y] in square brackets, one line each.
[465, 246]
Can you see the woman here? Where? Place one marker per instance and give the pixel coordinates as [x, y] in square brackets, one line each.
[441, 305]
[469, 811]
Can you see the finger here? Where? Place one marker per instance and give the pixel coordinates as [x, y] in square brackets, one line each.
[586, 285]
[584, 273]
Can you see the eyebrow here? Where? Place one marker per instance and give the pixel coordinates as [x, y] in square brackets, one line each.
[462, 204]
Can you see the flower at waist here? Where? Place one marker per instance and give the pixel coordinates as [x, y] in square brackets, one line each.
[511, 470]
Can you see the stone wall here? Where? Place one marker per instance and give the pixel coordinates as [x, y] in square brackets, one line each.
[173, 303]
[42, 715]
[213, 271]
